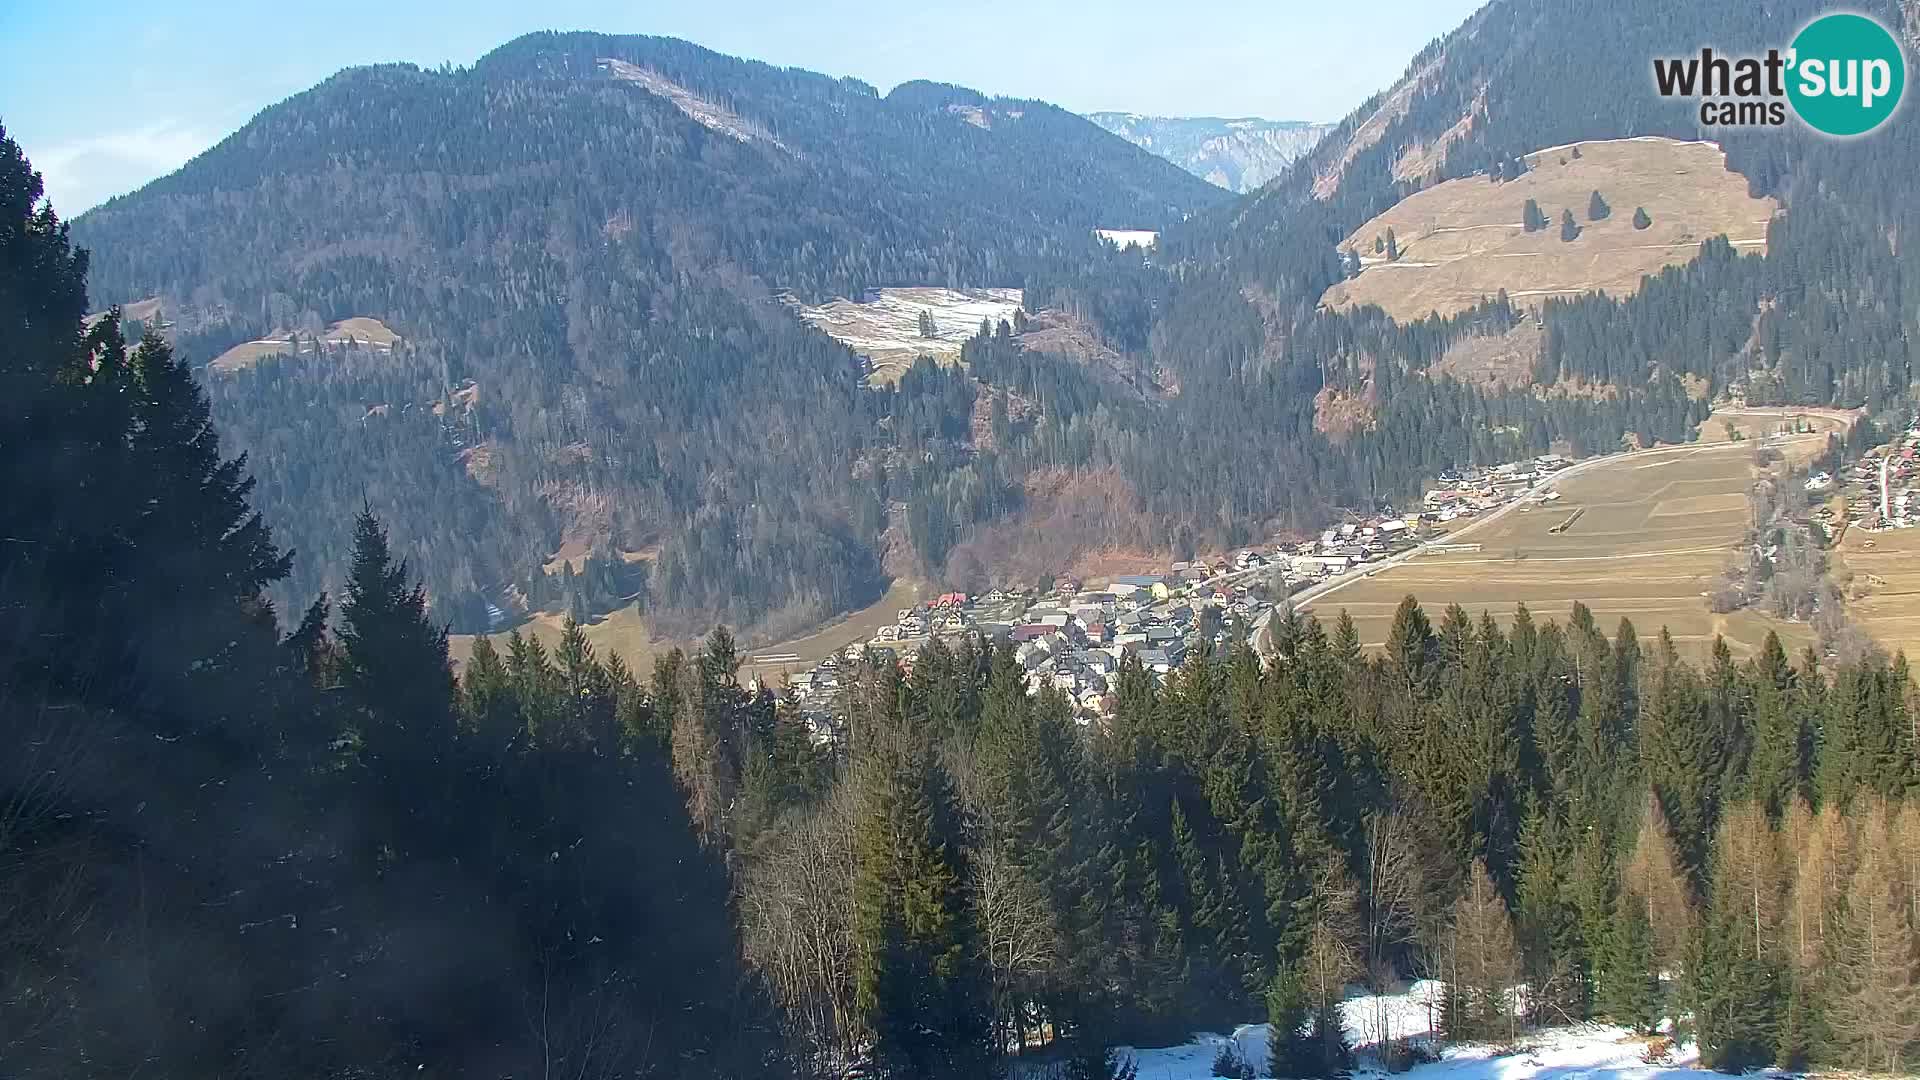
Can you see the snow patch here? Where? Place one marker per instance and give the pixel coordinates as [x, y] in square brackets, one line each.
[698, 109]
[1126, 238]
[972, 114]
[884, 326]
[1584, 1052]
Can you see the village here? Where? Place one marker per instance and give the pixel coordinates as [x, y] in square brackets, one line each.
[1876, 491]
[1070, 636]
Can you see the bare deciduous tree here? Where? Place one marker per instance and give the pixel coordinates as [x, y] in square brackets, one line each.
[1875, 1009]
[1396, 905]
[796, 917]
[1484, 961]
[1655, 877]
[1018, 932]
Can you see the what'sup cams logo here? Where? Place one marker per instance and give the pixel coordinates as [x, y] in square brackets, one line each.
[1843, 75]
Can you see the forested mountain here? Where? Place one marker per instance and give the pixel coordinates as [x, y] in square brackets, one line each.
[1821, 318]
[637, 388]
[582, 241]
[1239, 154]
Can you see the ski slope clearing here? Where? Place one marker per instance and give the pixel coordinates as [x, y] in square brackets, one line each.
[1462, 241]
[884, 327]
[1587, 1052]
[708, 114]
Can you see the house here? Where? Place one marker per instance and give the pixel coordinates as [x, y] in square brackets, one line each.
[1030, 631]
[1096, 661]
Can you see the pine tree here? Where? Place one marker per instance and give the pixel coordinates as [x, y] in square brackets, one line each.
[486, 701]
[1547, 920]
[1597, 208]
[395, 655]
[1776, 771]
[1682, 753]
[398, 676]
[1741, 982]
[919, 986]
[1630, 981]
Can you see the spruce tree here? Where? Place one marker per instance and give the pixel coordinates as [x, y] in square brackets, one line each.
[1597, 208]
[398, 676]
[1776, 769]
[395, 655]
[1569, 229]
[1630, 982]
[919, 986]
[1741, 986]
[1531, 217]
[1640, 218]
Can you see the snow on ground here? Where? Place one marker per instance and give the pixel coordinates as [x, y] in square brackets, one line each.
[1587, 1052]
[1126, 238]
[885, 326]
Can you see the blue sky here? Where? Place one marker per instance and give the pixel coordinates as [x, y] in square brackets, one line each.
[106, 95]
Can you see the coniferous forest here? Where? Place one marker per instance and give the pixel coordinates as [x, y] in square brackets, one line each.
[232, 851]
[592, 292]
[254, 824]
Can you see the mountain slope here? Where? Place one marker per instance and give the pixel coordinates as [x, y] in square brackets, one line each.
[1239, 154]
[580, 242]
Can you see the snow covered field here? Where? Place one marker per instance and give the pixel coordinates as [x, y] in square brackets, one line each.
[1588, 1052]
[885, 326]
[1126, 238]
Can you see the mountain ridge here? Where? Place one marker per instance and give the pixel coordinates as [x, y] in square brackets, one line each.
[563, 225]
[1237, 153]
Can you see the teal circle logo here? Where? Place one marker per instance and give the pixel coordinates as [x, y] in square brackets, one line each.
[1847, 73]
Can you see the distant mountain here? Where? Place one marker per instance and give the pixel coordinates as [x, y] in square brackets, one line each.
[1238, 154]
[570, 262]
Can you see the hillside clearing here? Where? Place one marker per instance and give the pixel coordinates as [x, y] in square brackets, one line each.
[1463, 240]
[884, 327]
[357, 330]
[623, 633]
